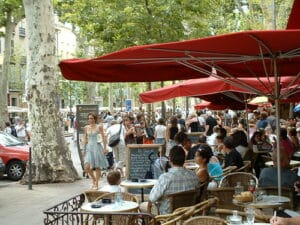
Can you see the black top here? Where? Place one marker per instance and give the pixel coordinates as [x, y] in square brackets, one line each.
[234, 158]
[173, 132]
[211, 122]
[194, 126]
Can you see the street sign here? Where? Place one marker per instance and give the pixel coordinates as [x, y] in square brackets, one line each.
[128, 105]
[82, 112]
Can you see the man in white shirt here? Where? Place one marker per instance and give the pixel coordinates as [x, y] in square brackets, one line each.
[21, 130]
[119, 150]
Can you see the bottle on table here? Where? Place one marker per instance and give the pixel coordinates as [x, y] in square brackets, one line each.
[118, 196]
[252, 185]
[235, 219]
[238, 189]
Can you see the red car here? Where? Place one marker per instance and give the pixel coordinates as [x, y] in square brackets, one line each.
[14, 154]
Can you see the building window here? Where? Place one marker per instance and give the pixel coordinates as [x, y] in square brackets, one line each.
[22, 32]
[14, 101]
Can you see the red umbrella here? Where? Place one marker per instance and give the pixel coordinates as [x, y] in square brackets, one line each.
[294, 18]
[212, 88]
[250, 53]
[209, 105]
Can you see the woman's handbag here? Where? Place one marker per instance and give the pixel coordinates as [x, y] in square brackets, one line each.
[114, 139]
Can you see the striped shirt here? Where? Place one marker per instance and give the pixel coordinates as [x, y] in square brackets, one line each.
[177, 179]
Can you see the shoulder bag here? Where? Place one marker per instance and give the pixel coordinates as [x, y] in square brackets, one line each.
[115, 139]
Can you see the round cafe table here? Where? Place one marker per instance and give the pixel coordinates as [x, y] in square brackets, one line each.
[141, 183]
[268, 201]
[124, 206]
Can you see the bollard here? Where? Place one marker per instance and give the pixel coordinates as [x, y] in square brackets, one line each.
[30, 171]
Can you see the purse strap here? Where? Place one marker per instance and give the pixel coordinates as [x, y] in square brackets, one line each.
[120, 128]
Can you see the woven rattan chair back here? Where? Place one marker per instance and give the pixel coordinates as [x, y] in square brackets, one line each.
[181, 199]
[225, 196]
[92, 195]
[231, 179]
[205, 220]
[246, 168]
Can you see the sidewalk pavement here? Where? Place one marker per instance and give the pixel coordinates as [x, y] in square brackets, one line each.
[19, 205]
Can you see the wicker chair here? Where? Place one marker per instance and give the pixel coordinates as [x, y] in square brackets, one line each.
[231, 179]
[285, 191]
[92, 195]
[259, 216]
[177, 200]
[246, 168]
[175, 218]
[205, 220]
[225, 196]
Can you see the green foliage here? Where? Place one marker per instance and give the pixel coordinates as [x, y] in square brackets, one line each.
[110, 25]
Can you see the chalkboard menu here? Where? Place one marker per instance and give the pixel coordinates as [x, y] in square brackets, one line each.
[138, 162]
[82, 112]
[194, 136]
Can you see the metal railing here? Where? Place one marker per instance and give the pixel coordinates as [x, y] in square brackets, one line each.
[69, 213]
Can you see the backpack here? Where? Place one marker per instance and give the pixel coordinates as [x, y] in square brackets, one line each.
[13, 131]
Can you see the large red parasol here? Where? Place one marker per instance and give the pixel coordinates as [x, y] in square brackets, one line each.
[271, 53]
[212, 88]
[294, 18]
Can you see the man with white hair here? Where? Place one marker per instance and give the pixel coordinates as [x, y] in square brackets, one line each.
[211, 122]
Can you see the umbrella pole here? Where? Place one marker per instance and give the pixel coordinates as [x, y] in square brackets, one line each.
[277, 128]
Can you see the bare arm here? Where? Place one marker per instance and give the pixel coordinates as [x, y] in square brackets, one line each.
[101, 132]
[285, 221]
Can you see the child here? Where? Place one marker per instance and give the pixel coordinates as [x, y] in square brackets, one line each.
[114, 180]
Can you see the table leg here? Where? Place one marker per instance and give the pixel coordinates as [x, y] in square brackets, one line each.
[142, 194]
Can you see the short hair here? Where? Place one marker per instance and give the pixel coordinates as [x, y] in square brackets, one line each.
[161, 121]
[113, 177]
[179, 137]
[177, 155]
[228, 142]
[202, 138]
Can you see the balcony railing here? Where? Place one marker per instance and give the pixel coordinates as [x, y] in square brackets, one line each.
[69, 213]
[22, 32]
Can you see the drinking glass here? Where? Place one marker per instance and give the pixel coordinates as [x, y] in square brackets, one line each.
[250, 216]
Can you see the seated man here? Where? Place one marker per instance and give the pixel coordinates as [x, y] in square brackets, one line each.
[114, 180]
[232, 156]
[177, 179]
[268, 176]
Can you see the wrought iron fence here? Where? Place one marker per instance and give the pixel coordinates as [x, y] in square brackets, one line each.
[69, 213]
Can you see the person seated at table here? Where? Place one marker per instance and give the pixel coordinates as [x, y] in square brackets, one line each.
[161, 164]
[286, 143]
[113, 180]
[275, 220]
[177, 179]
[180, 137]
[187, 147]
[240, 142]
[259, 145]
[268, 176]
[232, 156]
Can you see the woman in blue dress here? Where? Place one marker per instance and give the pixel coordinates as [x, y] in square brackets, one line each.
[93, 152]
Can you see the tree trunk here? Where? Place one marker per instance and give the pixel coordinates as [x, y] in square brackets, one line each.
[50, 154]
[9, 28]
[92, 92]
